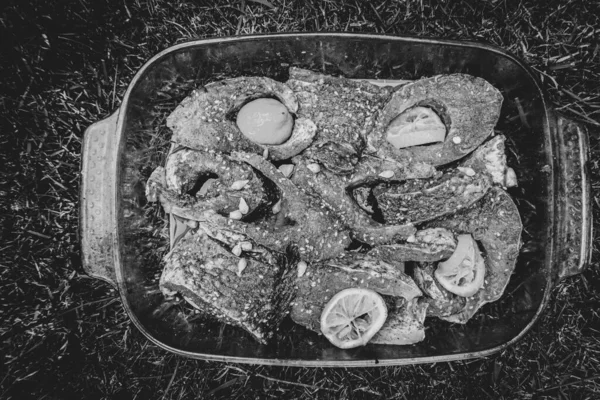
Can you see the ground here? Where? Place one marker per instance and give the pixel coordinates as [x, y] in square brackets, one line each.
[66, 64]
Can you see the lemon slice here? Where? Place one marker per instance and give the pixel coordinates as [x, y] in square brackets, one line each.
[414, 127]
[463, 273]
[265, 121]
[352, 317]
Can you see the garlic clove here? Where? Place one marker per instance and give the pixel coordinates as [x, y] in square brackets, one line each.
[243, 207]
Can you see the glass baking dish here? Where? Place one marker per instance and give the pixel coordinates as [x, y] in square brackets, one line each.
[122, 244]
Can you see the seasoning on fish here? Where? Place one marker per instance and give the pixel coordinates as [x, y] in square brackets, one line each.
[208, 276]
[468, 106]
[322, 281]
[496, 224]
[206, 119]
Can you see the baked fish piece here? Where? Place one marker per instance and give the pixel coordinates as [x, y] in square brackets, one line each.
[344, 112]
[496, 224]
[295, 220]
[196, 181]
[467, 107]
[419, 200]
[206, 119]
[249, 294]
[321, 281]
[334, 194]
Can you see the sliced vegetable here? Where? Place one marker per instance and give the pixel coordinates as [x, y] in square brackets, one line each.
[352, 317]
[416, 126]
[463, 273]
[265, 121]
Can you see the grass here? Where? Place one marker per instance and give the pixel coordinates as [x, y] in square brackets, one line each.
[65, 65]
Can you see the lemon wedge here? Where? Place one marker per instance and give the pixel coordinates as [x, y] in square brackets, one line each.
[416, 126]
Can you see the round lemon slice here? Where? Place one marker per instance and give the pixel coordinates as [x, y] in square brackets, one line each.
[352, 317]
[265, 121]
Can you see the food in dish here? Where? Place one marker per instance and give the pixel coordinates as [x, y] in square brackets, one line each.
[369, 189]
[251, 292]
[420, 200]
[496, 224]
[352, 317]
[265, 121]
[206, 119]
[468, 106]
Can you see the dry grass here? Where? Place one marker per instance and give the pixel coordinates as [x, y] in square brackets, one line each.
[65, 66]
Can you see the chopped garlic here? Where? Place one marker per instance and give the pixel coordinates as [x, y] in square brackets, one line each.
[302, 268]
[237, 250]
[387, 174]
[314, 168]
[277, 207]
[287, 169]
[237, 214]
[239, 185]
[243, 206]
[241, 266]
[467, 171]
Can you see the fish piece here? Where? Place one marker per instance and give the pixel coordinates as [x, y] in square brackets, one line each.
[467, 105]
[495, 223]
[256, 298]
[205, 120]
[421, 200]
[180, 185]
[404, 324]
[441, 302]
[332, 191]
[301, 221]
[432, 244]
[344, 111]
[322, 281]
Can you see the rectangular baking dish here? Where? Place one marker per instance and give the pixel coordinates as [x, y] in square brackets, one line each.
[121, 243]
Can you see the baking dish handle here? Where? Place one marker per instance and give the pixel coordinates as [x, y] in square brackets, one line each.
[574, 198]
[97, 195]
